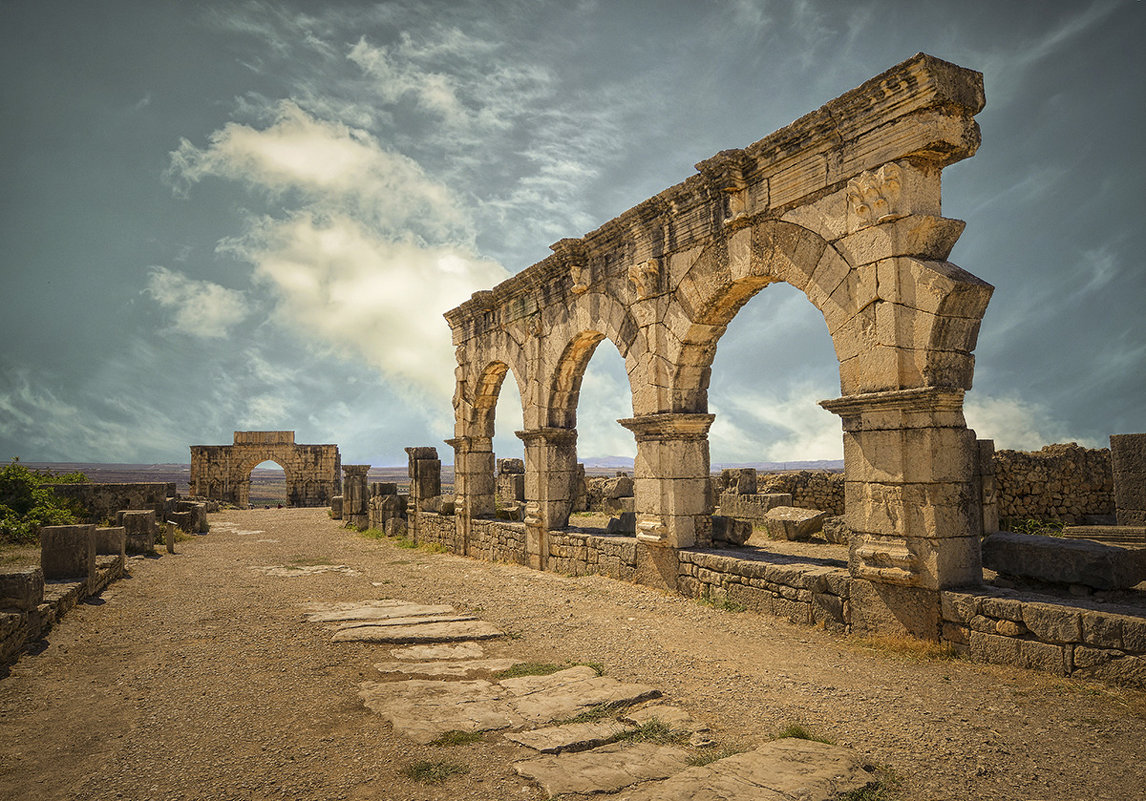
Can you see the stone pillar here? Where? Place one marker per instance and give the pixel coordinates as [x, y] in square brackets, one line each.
[1128, 460]
[68, 552]
[985, 478]
[670, 482]
[911, 500]
[336, 507]
[550, 470]
[473, 485]
[139, 529]
[354, 496]
[425, 471]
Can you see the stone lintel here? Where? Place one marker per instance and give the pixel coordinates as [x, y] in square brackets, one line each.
[898, 408]
[666, 426]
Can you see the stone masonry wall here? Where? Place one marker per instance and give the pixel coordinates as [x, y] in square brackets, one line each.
[102, 501]
[810, 489]
[586, 554]
[1060, 482]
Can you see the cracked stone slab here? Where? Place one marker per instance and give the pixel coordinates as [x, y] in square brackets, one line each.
[423, 710]
[571, 736]
[328, 606]
[426, 632]
[782, 770]
[462, 650]
[373, 611]
[672, 716]
[605, 769]
[566, 693]
[417, 620]
[459, 668]
[290, 571]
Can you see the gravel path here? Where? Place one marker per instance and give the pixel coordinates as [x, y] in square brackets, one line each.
[196, 678]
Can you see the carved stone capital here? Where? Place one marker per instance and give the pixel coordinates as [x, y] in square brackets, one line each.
[873, 197]
[645, 277]
[548, 435]
[575, 257]
[667, 426]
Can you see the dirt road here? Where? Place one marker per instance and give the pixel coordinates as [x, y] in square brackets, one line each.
[196, 678]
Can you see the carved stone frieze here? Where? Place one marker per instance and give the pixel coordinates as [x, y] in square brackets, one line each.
[874, 197]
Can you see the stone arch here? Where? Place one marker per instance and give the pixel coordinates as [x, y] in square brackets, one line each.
[223, 472]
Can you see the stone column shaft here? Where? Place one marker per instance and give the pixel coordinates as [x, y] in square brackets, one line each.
[673, 502]
[550, 470]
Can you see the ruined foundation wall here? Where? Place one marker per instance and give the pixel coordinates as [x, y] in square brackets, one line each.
[103, 501]
[586, 554]
[810, 489]
[1059, 482]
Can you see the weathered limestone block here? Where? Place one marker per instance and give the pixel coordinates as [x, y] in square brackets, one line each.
[1128, 458]
[336, 507]
[354, 495]
[22, 589]
[739, 480]
[511, 487]
[793, 523]
[752, 507]
[618, 487]
[1064, 561]
[67, 552]
[626, 523]
[511, 466]
[395, 527]
[112, 540]
[184, 521]
[836, 530]
[139, 530]
[730, 531]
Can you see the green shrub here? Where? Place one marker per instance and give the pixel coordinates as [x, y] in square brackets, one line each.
[26, 505]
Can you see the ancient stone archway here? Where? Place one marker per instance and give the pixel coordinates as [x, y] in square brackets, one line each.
[844, 205]
[223, 472]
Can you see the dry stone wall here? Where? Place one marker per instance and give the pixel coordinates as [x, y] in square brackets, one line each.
[1060, 482]
[810, 489]
[103, 501]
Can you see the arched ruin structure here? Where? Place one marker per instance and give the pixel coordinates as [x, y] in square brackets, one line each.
[844, 205]
[223, 472]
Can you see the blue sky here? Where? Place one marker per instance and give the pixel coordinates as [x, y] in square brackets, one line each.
[248, 215]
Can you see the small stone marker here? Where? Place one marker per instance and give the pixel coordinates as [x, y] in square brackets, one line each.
[777, 771]
[605, 769]
[571, 737]
[425, 632]
[169, 534]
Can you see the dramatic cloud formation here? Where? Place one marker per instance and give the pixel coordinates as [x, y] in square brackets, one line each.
[199, 308]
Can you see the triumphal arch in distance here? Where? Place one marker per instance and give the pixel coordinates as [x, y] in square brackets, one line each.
[844, 205]
[223, 472]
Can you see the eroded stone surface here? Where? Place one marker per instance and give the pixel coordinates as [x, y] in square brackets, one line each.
[571, 736]
[426, 632]
[567, 693]
[465, 668]
[672, 716]
[423, 710]
[304, 570]
[462, 650]
[778, 771]
[605, 769]
[417, 620]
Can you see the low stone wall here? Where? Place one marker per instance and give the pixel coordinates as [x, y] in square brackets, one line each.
[33, 617]
[1075, 638]
[1060, 482]
[802, 592]
[810, 489]
[102, 501]
[498, 541]
[579, 554]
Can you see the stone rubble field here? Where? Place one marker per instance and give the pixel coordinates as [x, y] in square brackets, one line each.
[315, 664]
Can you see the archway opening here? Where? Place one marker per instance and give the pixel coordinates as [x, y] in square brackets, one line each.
[268, 485]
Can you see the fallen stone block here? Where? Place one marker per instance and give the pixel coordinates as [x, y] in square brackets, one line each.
[605, 769]
[626, 523]
[571, 736]
[835, 530]
[139, 530]
[781, 770]
[1064, 561]
[67, 552]
[429, 632]
[793, 522]
[730, 531]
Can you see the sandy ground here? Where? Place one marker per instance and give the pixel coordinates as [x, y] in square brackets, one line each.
[196, 678]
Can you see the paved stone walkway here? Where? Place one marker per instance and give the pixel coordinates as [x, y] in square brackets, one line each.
[583, 729]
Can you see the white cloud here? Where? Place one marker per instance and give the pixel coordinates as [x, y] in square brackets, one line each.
[201, 308]
[358, 292]
[1017, 424]
[754, 425]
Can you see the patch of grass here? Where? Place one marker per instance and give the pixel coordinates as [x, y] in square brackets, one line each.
[457, 737]
[433, 547]
[541, 669]
[721, 602]
[908, 647]
[656, 732]
[798, 731]
[710, 755]
[373, 534]
[433, 771]
[299, 562]
[1045, 528]
[595, 714]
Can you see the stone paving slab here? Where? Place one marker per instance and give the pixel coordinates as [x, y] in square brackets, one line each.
[423, 710]
[571, 736]
[424, 633]
[567, 693]
[672, 716]
[783, 770]
[461, 650]
[403, 621]
[375, 611]
[460, 668]
[604, 769]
